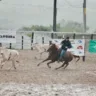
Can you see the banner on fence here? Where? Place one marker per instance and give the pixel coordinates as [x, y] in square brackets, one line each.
[7, 36]
[77, 46]
[92, 46]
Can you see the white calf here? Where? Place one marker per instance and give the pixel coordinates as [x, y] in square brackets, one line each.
[9, 55]
[41, 48]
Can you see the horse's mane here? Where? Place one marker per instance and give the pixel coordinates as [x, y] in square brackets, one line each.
[52, 48]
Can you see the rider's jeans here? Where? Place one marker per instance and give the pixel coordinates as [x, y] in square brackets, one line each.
[62, 53]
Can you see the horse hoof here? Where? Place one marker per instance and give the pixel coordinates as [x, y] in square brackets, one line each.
[56, 68]
[9, 69]
[64, 68]
[1, 67]
[49, 67]
[15, 68]
[35, 58]
[38, 65]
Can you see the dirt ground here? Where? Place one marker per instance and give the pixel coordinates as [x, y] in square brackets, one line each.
[28, 72]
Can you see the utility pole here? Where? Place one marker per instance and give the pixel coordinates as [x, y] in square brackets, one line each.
[84, 14]
[84, 20]
[0, 43]
[54, 15]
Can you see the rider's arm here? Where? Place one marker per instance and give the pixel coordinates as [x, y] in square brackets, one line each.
[62, 42]
[70, 46]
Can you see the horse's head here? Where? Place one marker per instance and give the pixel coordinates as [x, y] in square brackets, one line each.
[52, 48]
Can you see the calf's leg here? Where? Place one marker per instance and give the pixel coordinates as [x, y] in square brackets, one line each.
[13, 63]
[2, 63]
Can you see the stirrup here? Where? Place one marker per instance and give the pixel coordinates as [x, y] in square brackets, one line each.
[59, 60]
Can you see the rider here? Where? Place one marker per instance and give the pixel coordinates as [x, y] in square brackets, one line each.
[65, 44]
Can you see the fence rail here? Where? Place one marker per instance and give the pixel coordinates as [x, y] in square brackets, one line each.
[23, 40]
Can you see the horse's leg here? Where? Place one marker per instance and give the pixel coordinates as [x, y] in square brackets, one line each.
[43, 61]
[40, 55]
[17, 61]
[49, 63]
[78, 58]
[61, 65]
[66, 65]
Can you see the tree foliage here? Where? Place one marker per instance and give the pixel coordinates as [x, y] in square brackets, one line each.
[69, 26]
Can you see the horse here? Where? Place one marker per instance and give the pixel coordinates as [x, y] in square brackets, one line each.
[59, 46]
[53, 56]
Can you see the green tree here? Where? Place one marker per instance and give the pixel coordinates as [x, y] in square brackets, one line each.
[71, 26]
[37, 28]
[63, 26]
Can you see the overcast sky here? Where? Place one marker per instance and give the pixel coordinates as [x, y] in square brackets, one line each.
[17, 13]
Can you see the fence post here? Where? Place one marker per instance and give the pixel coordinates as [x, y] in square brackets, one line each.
[42, 40]
[32, 40]
[22, 42]
[50, 42]
[74, 36]
[84, 51]
[52, 35]
[84, 58]
[91, 36]
[0, 44]
[10, 46]
[85, 42]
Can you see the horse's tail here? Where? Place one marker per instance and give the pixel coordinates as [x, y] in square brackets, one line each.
[75, 56]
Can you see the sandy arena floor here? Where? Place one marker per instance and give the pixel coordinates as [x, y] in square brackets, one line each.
[29, 80]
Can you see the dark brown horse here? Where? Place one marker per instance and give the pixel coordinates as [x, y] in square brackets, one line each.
[53, 56]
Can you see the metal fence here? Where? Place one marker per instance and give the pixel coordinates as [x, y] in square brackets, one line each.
[26, 38]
